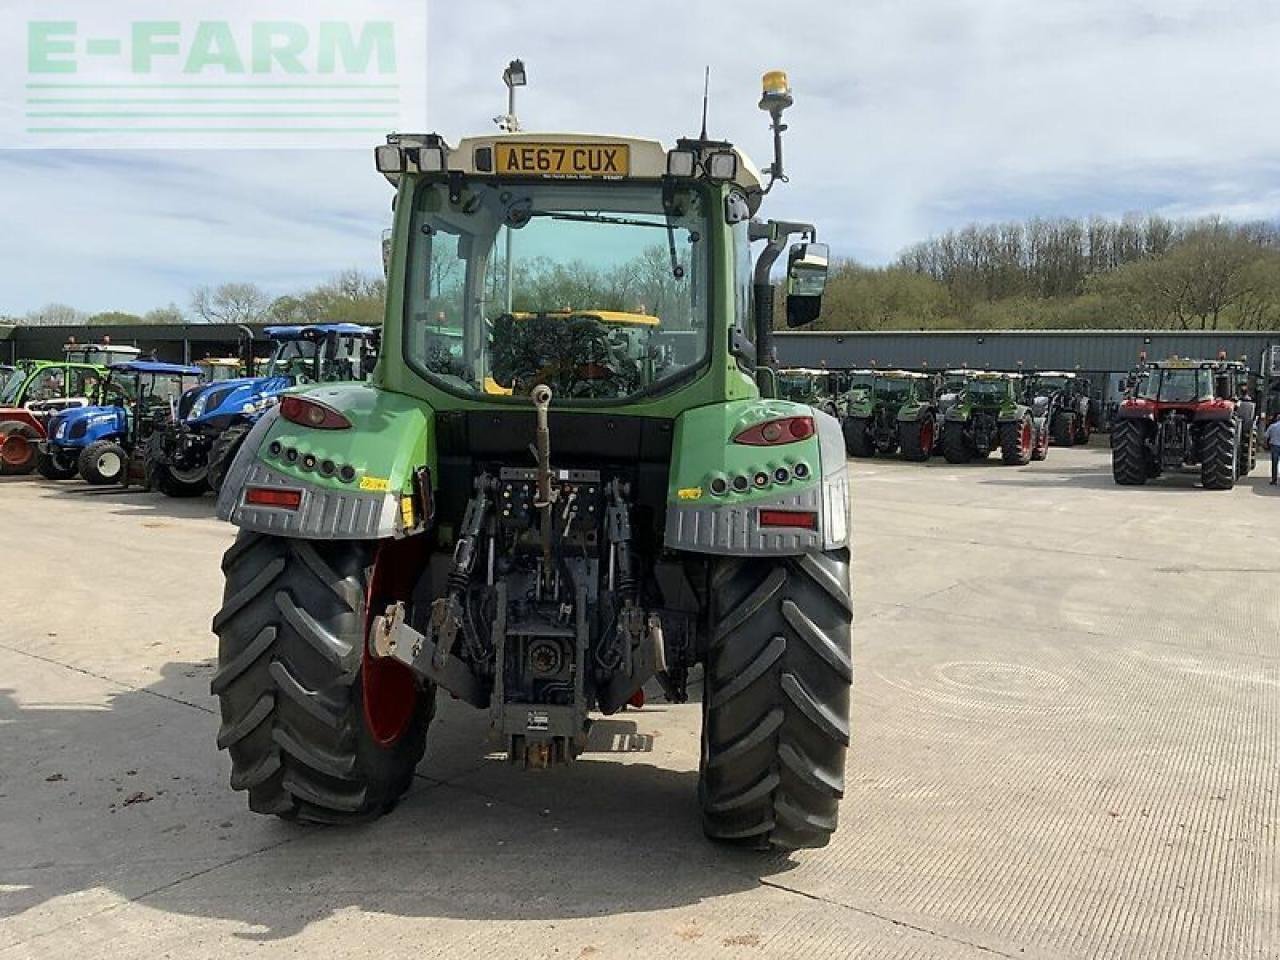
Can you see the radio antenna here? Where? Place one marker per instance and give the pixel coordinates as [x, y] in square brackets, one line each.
[706, 84]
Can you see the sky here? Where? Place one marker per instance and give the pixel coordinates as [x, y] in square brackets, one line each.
[911, 118]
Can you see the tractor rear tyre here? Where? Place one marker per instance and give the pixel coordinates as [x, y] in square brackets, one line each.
[915, 438]
[52, 468]
[1246, 456]
[1128, 453]
[1017, 440]
[955, 447]
[775, 727]
[1064, 429]
[1218, 454]
[162, 476]
[222, 452]
[857, 440]
[1040, 451]
[18, 448]
[316, 730]
[102, 463]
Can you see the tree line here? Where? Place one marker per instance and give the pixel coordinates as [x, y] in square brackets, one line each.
[1135, 272]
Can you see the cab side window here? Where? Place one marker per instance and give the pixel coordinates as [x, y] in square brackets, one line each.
[47, 384]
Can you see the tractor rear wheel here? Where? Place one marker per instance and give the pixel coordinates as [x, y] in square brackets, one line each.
[51, 467]
[102, 463]
[1017, 438]
[223, 451]
[1128, 454]
[775, 727]
[955, 446]
[1064, 429]
[857, 439]
[915, 437]
[18, 448]
[1040, 449]
[168, 479]
[1246, 457]
[1218, 454]
[316, 729]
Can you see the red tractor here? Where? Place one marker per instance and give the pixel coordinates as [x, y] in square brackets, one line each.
[1183, 413]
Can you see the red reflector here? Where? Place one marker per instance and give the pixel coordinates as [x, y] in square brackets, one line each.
[309, 413]
[273, 497]
[772, 432]
[805, 519]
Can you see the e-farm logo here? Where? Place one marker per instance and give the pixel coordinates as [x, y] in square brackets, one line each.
[334, 74]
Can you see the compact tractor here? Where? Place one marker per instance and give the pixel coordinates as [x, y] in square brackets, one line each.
[192, 453]
[103, 443]
[987, 413]
[1067, 398]
[37, 389]
[548, 508]
[1183, 413]
[896, 413]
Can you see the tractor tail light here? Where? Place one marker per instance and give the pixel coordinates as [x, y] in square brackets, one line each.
[804, 519]
[273, 497]
[309, 413]
[774, 432]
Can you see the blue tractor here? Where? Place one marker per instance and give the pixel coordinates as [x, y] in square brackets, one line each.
[193, 452]
[137, 398]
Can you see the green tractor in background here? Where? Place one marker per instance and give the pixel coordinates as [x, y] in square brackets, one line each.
[897, 413]
[556, 504]
[804, 385]
[986, 414]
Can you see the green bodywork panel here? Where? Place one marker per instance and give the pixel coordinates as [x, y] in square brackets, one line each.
[703, 450]
[391, 437]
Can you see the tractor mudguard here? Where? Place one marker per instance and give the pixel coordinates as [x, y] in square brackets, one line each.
[913, 414]
[353, 484]
[21, 415]
[1013, 414]
[1214, 411]
[721, 490]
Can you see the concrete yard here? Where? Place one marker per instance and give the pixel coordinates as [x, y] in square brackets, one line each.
[1066, 745]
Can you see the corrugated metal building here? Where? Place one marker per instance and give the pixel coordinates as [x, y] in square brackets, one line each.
[1095, 351]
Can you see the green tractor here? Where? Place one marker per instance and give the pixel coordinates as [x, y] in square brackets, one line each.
[987, 413]
[897, 413]
[559, 502]
[809, 386]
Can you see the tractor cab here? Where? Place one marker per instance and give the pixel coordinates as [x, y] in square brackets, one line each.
[219, 369]
[135, 399]
[103, 354]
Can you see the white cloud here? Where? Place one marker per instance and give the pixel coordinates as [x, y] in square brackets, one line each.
[910, 119]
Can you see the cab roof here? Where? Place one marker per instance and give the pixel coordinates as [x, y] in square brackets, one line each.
[301, 331]
[154, 366]
[647, 157]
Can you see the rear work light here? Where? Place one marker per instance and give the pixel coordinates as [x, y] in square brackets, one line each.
[804, 519]
[774, 432]
[309, 413]
[273, 497]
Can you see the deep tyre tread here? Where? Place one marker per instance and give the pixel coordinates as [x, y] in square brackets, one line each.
[87, 464]
[955, 448]
[290, 655]
[1064, 430]
[1128, 454]
[909, 441]
[222, 452]
[1245, 455]
[51, 468]
[1013, 452]
[776, 700]
[1218, 455]
[857, 438]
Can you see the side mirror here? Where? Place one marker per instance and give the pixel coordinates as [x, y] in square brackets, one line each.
[806, 281]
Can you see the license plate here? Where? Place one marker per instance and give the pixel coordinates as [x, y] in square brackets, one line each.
[564, 159]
